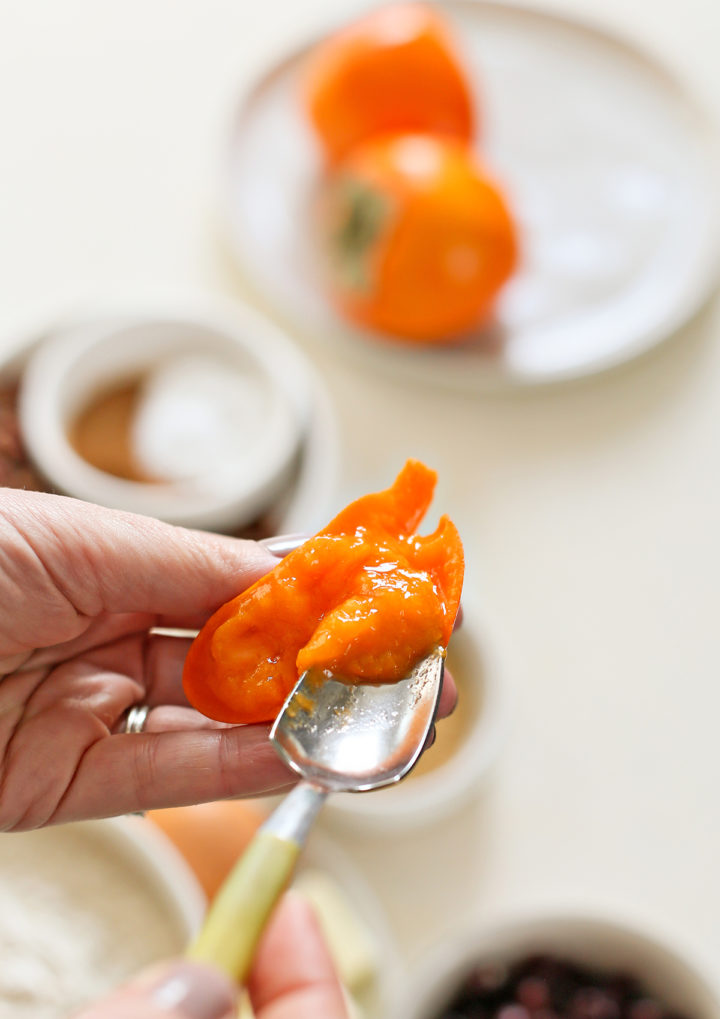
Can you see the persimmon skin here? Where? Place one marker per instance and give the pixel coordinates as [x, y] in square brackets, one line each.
[395, 69]
[365, 598]
[416, 239]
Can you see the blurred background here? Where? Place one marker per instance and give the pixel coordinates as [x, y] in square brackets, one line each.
[585, 487]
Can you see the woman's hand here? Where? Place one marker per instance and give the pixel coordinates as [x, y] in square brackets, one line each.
[292, 978]
[80, 588]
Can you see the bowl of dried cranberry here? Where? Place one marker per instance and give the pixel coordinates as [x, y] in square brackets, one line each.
[560, 967]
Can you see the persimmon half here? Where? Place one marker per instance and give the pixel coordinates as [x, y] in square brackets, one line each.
[366, 598]
[416, 239]
[395, 69]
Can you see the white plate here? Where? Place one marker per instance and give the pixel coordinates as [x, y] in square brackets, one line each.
[607, 164]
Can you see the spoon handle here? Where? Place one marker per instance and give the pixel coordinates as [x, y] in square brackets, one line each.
[241, 909]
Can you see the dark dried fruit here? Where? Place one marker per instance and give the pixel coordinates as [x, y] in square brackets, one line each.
[534, 992]
[551, 987]
[513, 1012]
[593, 1003]
[646, 1008]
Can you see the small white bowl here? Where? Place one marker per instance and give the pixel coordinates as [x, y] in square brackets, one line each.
[484, 707]
[597, 941]
[72, 365]
[84, 907]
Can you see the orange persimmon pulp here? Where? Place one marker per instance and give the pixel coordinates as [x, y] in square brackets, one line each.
[365, 598]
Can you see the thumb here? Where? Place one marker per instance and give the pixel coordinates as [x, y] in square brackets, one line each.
[172, 990]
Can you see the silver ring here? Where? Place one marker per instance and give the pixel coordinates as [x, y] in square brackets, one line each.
[136, 718]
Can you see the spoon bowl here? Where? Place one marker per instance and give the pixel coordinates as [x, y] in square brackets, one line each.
[354, 737]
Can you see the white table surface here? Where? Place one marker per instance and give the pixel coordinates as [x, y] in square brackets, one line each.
[590, 512]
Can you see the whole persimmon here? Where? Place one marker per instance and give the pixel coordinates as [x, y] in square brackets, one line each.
[416, 239]
[211, 836]
[395, 69]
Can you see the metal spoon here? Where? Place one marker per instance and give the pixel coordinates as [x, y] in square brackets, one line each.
[339, 737]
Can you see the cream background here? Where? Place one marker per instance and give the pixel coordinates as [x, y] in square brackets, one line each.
[590, 512]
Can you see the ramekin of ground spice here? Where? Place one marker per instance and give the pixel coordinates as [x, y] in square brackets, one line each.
[197, 415]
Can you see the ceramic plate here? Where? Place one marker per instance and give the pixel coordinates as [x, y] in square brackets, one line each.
[607, 165]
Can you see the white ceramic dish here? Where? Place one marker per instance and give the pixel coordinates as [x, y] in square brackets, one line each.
[611, 179]
[293, 485]
[84, 907]
[424, 799]
[590, 939]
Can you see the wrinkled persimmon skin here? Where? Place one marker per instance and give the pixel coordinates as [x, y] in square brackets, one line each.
[365, 598]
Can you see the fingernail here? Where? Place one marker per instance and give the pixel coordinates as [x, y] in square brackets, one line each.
[194, 990]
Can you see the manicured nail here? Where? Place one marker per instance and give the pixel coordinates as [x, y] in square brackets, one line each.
[194, 990]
